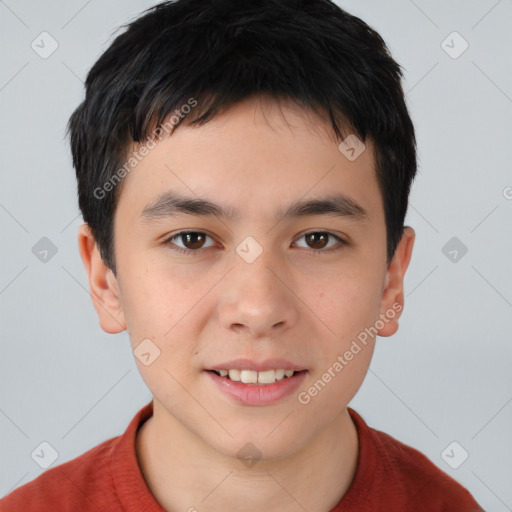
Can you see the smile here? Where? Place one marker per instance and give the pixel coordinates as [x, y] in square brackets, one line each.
[254, 377]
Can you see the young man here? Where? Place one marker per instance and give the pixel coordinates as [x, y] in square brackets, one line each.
[243, 172]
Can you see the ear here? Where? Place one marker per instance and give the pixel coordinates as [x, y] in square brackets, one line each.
[103, 284]
[392, 302]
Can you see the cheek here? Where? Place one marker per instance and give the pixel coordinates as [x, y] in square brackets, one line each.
[334, 385]
[348, 303]
[351, 307]
[152, 304]
[163, 308]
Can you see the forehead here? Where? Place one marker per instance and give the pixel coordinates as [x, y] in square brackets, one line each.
[258, 154]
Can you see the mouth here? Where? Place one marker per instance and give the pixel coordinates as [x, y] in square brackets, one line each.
[261, 378]
[256, 385]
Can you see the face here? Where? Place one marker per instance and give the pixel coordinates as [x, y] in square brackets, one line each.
[256, 280]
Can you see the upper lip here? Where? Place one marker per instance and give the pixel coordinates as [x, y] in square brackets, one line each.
[258, 366]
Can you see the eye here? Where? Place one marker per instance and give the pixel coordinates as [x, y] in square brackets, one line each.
[319, 240]
[192, 241]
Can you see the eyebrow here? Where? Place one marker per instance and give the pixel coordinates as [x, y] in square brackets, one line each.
[171, 204]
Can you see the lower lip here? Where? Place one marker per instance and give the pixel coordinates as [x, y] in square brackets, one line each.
[258, 395]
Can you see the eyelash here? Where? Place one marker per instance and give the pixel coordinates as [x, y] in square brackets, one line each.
[314, 252]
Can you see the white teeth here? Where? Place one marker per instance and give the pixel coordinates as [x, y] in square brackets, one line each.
[248, 376]
[254, 377]
[267, 377]
[234, 375]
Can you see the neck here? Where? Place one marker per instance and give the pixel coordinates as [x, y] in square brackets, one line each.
[190, 475]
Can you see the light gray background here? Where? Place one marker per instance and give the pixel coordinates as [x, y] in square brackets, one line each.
[444, 377]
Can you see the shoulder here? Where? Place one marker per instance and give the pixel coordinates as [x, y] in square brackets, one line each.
[407, 475]
[70, 486]
[104, 479]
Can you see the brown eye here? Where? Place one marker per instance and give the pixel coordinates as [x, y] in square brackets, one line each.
[193, 240]
[317, 240]
[320, 240]
[189, 241]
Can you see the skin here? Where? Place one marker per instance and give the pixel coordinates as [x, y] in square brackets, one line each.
[294, 301]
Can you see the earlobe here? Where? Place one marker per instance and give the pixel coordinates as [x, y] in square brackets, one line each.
[392, 302]
[103, 286]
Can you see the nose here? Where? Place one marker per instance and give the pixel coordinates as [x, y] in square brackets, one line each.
[258, 298]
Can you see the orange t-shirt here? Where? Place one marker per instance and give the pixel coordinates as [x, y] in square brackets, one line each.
[390, 477]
